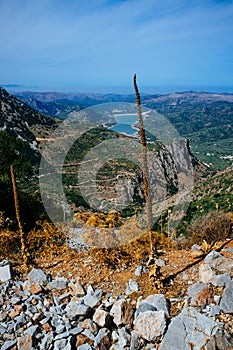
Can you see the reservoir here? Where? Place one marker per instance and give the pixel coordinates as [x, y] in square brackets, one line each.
[125, 123]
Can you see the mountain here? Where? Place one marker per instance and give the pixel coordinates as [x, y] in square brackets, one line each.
[20, 126]
[23, 122]
[83, 99]
[205, 119]
[57, 108]
[61, 105]
[33, 129]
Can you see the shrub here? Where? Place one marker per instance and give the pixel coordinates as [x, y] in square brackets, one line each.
[213, 227]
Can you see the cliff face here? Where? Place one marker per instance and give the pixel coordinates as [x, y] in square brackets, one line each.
[172, 167]
[172, 171]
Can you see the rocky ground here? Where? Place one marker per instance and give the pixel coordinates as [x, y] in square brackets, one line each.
[74, 302]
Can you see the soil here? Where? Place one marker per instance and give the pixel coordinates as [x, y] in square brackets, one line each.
[180, 271]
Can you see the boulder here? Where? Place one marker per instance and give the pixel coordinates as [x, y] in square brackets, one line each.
[218, 262]
[37, 276]
[189, 329]
[226, 302]
[150, 324]
[74, 309]
[201, 294]
[156, 301]
[122, 312]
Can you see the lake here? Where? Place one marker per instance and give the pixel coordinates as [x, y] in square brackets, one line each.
[125, 123]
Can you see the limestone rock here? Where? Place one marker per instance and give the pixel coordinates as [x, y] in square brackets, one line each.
[136, 343]
[8, 344]
[76, 289]
[218, 262]
[138, 271]
[122, 312]
[150, 324]
[91, 300]
[157, 301]
[25, 342]
[59, 283]
[124, 338]
[221, 340]
[188, 328]
[62, 344]
[103, 339]
[207, 275]
[226, 302]
[201, 294]
[132, 287]
[37, 276]
[82, 339]
[84, 347]
[74, 309]
[5, 272]
[102, 318]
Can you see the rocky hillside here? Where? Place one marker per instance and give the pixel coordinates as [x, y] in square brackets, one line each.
[58, 108]
[170, 168]
[19, 120]
[210, 194]
[77, 304]
[20, 127]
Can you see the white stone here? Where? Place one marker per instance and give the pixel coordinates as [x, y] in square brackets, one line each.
[102, 318]
[150, 324]
[5, 272]
[206, 274]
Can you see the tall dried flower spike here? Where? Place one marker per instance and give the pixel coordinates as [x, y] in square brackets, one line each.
[154, 269]
[144, 158]
[17, 212]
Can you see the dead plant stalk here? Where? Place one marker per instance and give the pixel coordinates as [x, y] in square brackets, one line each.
[154, 274]
[17, 212]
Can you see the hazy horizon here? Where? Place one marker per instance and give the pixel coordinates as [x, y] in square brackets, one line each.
[15, 88]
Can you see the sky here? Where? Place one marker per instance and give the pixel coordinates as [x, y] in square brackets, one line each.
[81, 46]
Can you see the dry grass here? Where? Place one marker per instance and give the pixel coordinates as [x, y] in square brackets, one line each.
[136, 251]
[214, 227]
[45, 240]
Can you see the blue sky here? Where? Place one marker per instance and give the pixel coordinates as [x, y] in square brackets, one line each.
[77, 45]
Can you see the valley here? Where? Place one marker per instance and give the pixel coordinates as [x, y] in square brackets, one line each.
[205, 119]
[81, 205]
